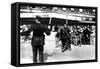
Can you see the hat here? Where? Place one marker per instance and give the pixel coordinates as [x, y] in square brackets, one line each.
[38, 17]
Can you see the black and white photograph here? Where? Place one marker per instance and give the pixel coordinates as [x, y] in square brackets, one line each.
[49, 33]
[55, 34]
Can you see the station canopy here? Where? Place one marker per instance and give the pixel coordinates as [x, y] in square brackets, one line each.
[25, 13]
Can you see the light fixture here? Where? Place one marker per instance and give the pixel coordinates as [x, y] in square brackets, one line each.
[55, 8]
[64, 9]
[94, 10]
[80, 10]
[72, 9]
[43, 7]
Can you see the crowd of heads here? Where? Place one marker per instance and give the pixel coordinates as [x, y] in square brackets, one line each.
[75, 28]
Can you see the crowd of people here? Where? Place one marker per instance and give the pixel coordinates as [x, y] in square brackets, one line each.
[77, 34]
[72, 34]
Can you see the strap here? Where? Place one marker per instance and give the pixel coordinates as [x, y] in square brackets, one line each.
[67, 33]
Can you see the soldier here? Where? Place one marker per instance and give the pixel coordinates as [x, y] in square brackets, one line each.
[65, 38]
[87, 33]
[37, 41]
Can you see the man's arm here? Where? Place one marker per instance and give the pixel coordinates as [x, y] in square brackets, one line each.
[27, 32]
[47, 31]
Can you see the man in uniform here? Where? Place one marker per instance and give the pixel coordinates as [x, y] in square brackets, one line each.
[37, 41]
[87, 33]
[65, 38]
